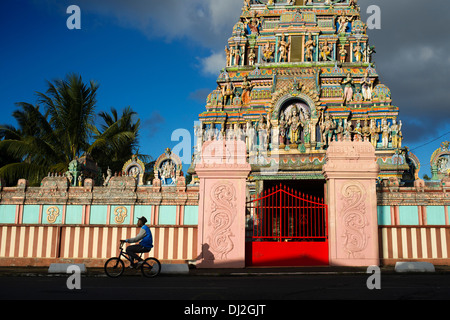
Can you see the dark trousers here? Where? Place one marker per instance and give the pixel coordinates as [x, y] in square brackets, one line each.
[133, 251]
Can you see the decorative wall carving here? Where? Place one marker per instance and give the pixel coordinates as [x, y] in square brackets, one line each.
[120, 214]
[354, 219]
[223, 213]
[52, 214]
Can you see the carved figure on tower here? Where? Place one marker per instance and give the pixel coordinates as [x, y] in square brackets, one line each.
[342, 54]
[358, 52]
[283, 50]
[251, 57]
[325, 52]
[253, 24]
[282, 130]
[366, 86]
[228, 92]
[396, 134]
[268, 52]
[374, 133]
[294, 126]
[348, 91]
[385, 133]
[309, 48]
[327, 129]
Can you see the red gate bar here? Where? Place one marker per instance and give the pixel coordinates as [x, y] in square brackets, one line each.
[282, 214]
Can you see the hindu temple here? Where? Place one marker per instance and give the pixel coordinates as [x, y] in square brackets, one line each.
[298, 161]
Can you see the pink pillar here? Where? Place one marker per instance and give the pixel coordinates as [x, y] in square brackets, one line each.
[223, 172]
[351, 172]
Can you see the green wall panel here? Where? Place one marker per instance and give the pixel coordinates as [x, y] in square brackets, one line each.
[191, 215]
[167, 215]
[31, 214]
[409, 215]
[436, 215]
[7, 213]
[384, 215]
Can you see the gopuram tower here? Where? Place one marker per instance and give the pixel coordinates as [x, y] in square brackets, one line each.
[300, 74]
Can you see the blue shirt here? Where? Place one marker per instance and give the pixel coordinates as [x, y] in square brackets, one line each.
[147, 241]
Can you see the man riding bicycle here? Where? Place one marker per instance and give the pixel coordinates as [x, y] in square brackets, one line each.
[145, 244]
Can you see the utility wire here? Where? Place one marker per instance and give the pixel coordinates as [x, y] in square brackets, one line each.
[427, 143]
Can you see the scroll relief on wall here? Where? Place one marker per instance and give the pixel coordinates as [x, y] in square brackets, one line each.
[120, 214]
[52, 214]
[223, 213]
[354, 219]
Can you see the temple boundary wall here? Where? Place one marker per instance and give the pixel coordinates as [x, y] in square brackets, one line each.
[55, 222]
[88, 221]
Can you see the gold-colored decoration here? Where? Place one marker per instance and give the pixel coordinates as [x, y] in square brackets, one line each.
[120, 214]
[52, 214]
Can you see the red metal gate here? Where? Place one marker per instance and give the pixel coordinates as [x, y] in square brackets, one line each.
[287, 228]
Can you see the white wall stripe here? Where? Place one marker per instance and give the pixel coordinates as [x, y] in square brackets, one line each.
[76, 243]
[95, 243]
[67, 241]
[86, 242]
[13, 242]
[414, 243]
[190, 243]
[404, 243]
[170, 244]
[104, 242]
[31, 242]
[394, 243]
[3, 242]
[423, 234]
[48, 250]
[433, 243]
[444, 243]
[180, 243]
[21, 241]
[161, 242]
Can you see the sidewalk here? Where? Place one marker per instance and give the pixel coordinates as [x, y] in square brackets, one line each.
[43, 271]
[273, 271]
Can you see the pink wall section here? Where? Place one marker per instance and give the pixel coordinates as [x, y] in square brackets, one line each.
[223, 171]
[351, 172]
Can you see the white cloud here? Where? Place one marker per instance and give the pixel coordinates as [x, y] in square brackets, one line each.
[213, 64]
[207, 22]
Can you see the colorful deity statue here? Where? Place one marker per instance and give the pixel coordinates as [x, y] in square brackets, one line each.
[309, 48]
[327, 128]
[342, 54]
[385, 133]
[228, 92]
[348, 91]
[396, 135]
[325, 52]
[294, 126]
[357, 49]
[283, 49]
[366, 86]
[268, 51]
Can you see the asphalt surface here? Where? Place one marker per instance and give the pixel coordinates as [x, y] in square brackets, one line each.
[326, 283]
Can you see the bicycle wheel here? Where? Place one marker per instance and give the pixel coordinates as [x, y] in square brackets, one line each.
[151, 267]
[114, 267]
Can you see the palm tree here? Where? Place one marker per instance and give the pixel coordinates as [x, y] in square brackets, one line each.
[116, 140]
[31, 149]
[70, 105]
[48, 142]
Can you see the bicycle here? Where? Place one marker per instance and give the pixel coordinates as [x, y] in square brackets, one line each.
[115, 267]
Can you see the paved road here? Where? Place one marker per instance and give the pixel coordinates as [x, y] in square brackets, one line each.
[234, 288]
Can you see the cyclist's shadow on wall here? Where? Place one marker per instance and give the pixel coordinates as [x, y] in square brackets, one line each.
[205, 258]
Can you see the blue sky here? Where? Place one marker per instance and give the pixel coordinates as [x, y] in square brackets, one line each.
[162, 58]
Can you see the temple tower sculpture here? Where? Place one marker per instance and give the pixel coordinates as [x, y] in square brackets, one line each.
[298, 75]
[299, 83]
